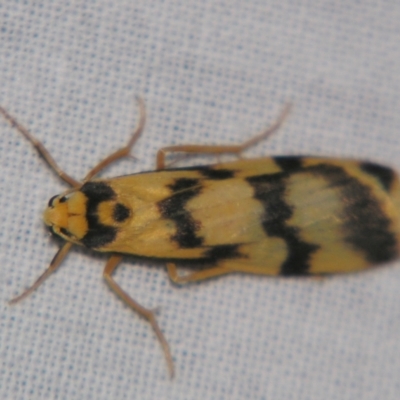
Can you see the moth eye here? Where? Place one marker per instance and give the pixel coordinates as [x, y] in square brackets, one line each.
[63, 199]
[50, 203]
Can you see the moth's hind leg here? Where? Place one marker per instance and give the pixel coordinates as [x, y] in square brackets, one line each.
[233, 149]
[40, 149]
[124, 151]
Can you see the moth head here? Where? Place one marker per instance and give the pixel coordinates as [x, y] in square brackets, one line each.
[65, 215]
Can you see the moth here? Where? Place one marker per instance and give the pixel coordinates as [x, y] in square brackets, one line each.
[290, 216]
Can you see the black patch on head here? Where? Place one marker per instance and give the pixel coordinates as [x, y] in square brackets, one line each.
[365, 226]
[121, 212]
[50, 203]
[216, 174]
[98, 235]
[173, 208]
[269, 189]
[289, 164]
[222, 251]
[384, 175]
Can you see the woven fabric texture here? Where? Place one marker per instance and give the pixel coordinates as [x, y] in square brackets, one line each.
[211, 72]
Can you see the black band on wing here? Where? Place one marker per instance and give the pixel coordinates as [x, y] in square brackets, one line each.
[384, 175]
[365, 226]
[269, 189]
[289, 163]
[173, 208]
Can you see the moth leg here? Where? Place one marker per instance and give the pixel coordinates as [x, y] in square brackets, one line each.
[194, 276]
[124, 151]
[55, 262]
[40, 149]
[234, 149]
[112, 263]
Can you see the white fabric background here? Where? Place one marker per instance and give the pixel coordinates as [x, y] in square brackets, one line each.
[210, 72]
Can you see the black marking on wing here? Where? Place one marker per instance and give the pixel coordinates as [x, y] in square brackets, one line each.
[384, 175]
[365, 227]
[98, 235]
[121, 212]
[223, 251]
[269, 189]
[216, 174]
[173, 208]
[96, 192]
[208, 171]
[184, 184]
[289, 164]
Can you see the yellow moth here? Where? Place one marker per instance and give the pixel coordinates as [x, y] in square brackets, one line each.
[285, 216]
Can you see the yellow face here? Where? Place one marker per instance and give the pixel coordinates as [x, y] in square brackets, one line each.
[66, 215]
